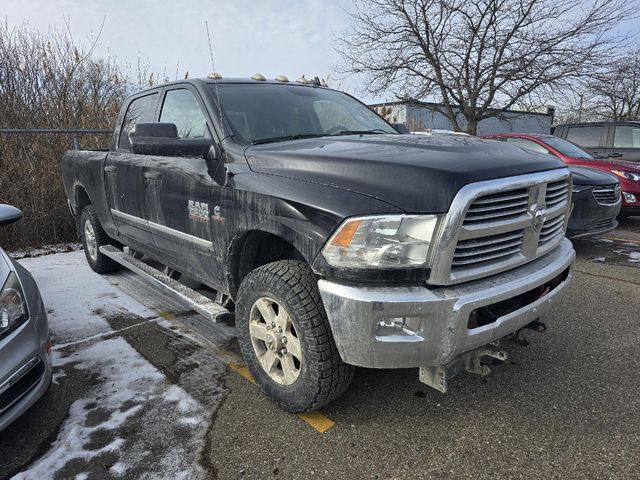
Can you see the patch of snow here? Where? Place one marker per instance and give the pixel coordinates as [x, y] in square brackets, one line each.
[59, 373]
[598, 259]
[118, 469]
[79, 297]
[134, 409]
[634, 257]
[128, 385]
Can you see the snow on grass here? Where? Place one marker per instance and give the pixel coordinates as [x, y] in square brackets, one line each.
[131, 394]
[46, 250]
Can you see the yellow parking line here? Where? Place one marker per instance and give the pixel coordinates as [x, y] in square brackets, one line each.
[317, 421]
[621, 240]
[242, 371]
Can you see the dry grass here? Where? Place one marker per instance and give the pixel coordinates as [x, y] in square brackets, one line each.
[49, 81]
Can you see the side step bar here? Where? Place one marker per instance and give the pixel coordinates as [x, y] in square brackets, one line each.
[198, 302]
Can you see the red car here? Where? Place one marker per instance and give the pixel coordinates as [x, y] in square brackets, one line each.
[627, 172]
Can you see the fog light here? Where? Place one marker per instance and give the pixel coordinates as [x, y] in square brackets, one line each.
[398, 326]
[629, 197]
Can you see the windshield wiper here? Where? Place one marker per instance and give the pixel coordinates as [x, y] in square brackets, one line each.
[284, 138]
[376, 131]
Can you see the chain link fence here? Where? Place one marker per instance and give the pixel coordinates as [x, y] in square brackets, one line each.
[31, 179]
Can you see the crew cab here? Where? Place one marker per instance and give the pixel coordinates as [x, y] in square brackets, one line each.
[338, 241]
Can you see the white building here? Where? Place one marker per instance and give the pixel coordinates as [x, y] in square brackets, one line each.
[421, 116]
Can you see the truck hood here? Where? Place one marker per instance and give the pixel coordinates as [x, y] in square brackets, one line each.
[415, 173]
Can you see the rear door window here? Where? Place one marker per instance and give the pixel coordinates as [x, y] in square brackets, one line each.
[181, 108]
[587, 136]
[626, 136]
[140, 110]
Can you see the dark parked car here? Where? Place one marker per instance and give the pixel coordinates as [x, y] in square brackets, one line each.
[619, 140]
[596, 203]
[25, 348]
[627, 172]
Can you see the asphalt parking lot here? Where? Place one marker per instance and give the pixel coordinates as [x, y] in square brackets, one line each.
[564, 406]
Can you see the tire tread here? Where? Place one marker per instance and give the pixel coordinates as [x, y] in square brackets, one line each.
[334, 376]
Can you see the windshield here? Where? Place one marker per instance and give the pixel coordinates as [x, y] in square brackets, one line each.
[259, 113]
[566, 148]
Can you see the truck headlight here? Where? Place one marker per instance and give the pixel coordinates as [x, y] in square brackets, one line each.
[628, 175]
[13, 308]
[384, 241]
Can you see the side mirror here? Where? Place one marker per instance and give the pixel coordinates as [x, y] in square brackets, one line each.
[215, 162]
[162, 139]
[401, 127]
[9, 214]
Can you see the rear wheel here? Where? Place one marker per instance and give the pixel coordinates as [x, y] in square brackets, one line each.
[93, 237]
[285, 337]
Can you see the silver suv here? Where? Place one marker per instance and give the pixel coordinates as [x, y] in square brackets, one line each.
[25, 347]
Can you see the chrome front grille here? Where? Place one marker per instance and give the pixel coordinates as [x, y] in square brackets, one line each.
[496, 225]
[557, 192]
[485, 249]
[607, 194]
[551, 229]
[500, 205]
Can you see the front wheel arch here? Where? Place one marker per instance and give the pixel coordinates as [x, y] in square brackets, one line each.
[253, 249]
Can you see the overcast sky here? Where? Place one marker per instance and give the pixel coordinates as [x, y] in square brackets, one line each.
[272, 37]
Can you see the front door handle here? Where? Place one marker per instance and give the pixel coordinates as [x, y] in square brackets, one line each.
[614, 155]
[153, 175]
[110, 169]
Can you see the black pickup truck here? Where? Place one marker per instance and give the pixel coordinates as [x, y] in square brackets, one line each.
[337, 240]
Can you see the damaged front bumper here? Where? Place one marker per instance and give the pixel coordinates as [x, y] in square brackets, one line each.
[405, 327]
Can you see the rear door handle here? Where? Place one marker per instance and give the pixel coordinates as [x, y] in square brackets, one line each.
[614, 155]
[110, 169]
[153, 175]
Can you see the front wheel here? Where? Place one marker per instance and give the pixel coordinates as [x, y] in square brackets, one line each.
[93, 237]
[285, 337]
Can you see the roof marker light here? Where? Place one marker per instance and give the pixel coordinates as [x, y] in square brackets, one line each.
[302, 80]
[214, 76]
[282, 78]
[259, 77]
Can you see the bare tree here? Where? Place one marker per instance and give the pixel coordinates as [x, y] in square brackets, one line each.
[478, 57]
[48, 80]
[615, 90]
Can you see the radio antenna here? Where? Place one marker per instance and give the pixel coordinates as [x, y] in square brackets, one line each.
[215, 78]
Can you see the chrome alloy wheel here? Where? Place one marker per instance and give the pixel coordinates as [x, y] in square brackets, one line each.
[275, 341]
[90, 240]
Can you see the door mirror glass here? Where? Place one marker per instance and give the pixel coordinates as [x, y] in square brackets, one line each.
[161, 139]
[9, 214]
